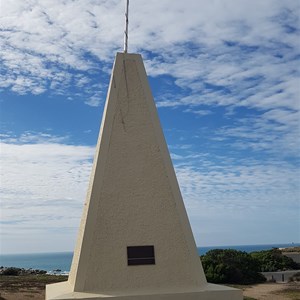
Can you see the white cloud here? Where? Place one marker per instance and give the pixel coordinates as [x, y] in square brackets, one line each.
[275, 131]
[200, 112]
[43, 187]
[33, 138]
[225, 44]
[44, 181]
[240, 187]
[231, 200]
[236, 55]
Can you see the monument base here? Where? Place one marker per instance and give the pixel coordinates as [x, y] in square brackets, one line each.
[63, 291]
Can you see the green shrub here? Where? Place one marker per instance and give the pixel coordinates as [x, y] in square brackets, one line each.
[231, 266]
[273, 260]
[11, 271]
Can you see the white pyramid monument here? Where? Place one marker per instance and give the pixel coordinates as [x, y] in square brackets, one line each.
[135, 241]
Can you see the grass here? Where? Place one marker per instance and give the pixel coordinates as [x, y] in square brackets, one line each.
[28, 282]
[291, 292]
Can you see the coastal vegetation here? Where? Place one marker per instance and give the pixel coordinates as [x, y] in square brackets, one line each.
[273, 260]
[231, 266]
[238, 267]
[12, 271]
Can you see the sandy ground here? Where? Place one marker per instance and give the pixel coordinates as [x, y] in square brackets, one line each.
[26, 287]
[272, 291]
[34, 294]
[266, 291]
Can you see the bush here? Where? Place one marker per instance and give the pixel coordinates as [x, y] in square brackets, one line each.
[11, 271]
[273, 260]
[231, 266]
[295, 277]
[40, 272]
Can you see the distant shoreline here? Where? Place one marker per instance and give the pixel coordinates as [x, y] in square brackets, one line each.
[63, 260]
[205, 248]
[290, 249]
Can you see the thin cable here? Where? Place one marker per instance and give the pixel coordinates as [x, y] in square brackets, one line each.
[126, 28]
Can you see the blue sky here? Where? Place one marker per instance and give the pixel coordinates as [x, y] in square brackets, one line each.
[225, 78]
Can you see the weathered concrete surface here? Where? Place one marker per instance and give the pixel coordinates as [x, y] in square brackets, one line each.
[134, 200]
[280, 276]
[61, 291]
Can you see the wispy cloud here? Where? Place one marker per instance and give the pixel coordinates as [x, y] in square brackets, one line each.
[32, 138]
[42, 180]
[223, 193]
[275, 132]
[242, 54]
[233, 61]
[200, 112]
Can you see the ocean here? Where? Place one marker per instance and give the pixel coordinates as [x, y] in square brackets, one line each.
[62, 261]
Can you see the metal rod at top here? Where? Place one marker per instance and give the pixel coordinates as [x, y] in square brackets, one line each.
[126, 28]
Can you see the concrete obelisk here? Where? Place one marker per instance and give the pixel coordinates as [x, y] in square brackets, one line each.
[135, 240]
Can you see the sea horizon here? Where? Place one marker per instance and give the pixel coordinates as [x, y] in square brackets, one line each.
[53, 261]
[293, 244]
